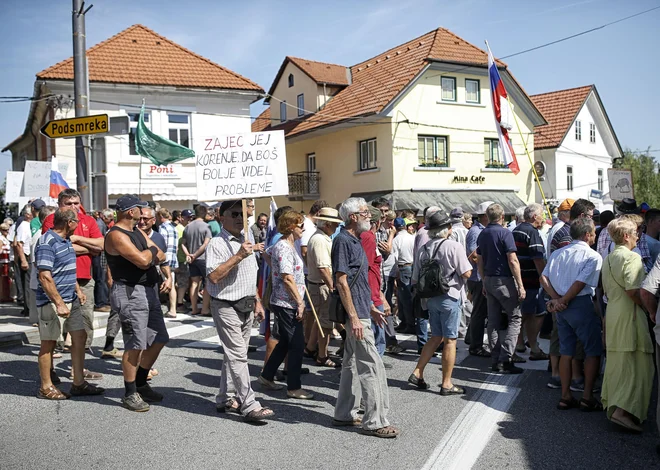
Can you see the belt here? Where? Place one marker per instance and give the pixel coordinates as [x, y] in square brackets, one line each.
[404, 265]
[316, 283]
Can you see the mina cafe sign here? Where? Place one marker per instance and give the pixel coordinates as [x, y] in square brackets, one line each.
[469, 179]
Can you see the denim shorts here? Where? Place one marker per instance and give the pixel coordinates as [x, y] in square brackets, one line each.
[580, 322]
[534, 303]
[444, 316]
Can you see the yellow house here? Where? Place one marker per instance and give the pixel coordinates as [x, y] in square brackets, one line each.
[414, 124]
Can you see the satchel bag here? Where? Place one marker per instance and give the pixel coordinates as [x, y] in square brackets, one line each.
[337, 313]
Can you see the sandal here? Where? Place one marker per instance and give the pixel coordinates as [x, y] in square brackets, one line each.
[310, 354]
[539, 356]
[481, 352]
[590, 405]
[353, 422]
[564, 404]
[52, 393]
[418, 382]
[259, 416]
[231, 406]
[454, 390]
[388, 432]
[85, 389]
[88, 375]
[326, 362]
[516, 359]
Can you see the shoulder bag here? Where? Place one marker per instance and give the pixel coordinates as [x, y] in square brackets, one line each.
[337, 313]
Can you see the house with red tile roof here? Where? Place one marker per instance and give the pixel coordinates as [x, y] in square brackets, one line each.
[414, 124]
[187, 96]
[576, 147]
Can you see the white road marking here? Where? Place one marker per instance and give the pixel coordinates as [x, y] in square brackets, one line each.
[468, 435]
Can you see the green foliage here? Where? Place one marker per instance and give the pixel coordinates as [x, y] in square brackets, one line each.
[646, 179]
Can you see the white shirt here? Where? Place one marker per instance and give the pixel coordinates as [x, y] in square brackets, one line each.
[309, 230]
[403, 247]
[24, 236]
[571, 263]
[34, 283]
[559, 224]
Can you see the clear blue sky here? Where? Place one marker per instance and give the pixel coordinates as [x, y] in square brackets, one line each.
[252, 38]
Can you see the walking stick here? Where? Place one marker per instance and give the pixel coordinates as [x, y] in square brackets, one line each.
[318, 323]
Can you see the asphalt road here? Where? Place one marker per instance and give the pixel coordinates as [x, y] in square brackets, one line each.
[502, 421]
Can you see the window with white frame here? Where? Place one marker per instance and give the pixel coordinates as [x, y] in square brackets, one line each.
[592, 133]
[472, 91]
[301, 104]
[569, 178]
[133, 119]
[492, 157]
[368, 159]
[600, 179]
[578, 130]
[448, 85]
[282, 111]
[432, 151]
[179, 128]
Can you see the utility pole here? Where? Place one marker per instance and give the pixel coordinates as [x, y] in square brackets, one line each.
[81, 93]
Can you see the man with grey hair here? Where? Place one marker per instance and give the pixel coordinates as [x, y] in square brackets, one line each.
[362, 368]
[518, 218]
[459, 234]
[531, 258]
[21, 245]
[500, 270]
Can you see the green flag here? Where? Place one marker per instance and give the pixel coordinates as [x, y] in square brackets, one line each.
[159, 150]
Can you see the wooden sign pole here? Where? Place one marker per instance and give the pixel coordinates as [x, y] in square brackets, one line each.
[246, 236]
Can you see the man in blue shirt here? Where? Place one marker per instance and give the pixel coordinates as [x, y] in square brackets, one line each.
[59, 300]
[500, 270]
[475, 333]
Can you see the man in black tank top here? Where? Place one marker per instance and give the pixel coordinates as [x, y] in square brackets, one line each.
[132, 258]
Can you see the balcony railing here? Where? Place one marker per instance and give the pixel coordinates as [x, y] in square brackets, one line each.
[304, 185]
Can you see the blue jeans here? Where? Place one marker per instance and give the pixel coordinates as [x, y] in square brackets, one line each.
[379, 334]
[422, 331]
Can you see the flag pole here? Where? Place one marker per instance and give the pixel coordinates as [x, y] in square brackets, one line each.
[529, 157]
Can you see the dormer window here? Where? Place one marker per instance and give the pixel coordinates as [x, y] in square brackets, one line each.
[290, 80]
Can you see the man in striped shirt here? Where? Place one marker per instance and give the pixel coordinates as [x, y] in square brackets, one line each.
[59, 300]
[530, 255]
[168, 231]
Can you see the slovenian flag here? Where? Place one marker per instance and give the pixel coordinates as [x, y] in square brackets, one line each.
[503, 114]
[57, 181]
[265, 269]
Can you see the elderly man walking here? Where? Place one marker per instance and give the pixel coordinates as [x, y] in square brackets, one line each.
[231, 271]
[500, 270]
[363, 374]
[570, 278]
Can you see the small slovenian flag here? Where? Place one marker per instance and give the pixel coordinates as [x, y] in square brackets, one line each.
[503, 114]
[265, 269]
[57, 181]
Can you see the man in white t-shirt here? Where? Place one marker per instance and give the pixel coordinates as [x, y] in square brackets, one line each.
[22, 247]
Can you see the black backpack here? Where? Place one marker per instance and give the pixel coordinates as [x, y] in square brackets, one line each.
[432, 281]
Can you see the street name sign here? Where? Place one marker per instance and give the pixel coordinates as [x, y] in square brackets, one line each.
[85, 125]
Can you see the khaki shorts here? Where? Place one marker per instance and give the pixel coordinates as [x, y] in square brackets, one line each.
[51, 326]
[321, 299]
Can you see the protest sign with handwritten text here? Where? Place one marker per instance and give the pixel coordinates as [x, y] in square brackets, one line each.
[241, 166]
[36, 179]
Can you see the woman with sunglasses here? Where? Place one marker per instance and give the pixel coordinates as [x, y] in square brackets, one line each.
[287, 301]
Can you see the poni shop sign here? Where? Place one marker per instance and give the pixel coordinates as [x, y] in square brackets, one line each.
[161, 171]
[469, 179]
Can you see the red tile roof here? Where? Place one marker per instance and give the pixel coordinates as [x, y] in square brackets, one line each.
[560, 108]
[322, 72]
[377, 81]
[138, 55]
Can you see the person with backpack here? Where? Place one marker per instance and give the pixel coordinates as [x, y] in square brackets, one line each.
[439, 273]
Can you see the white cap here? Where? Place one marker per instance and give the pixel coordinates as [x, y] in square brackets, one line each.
[481, 208]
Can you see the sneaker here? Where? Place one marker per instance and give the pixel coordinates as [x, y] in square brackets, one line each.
[267, 384]
[112, 354]
[578, 386]
[509, 368]
[134, 402]
[554, 382]
[148, 394]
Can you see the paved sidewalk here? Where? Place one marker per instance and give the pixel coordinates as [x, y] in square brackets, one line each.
[15, 329]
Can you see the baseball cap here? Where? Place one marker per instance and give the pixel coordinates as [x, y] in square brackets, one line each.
[399, 222]
[376, 215]
[456, 213]
[566, 205]
[128, 202]
[643, 207]
[481, 208]
[186, 213]
[37, 204]
[410, 221]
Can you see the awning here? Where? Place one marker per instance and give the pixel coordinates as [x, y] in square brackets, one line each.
[468, 200]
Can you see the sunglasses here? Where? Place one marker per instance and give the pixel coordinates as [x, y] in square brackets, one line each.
[146, 218]
[236, 214]
[301, 226]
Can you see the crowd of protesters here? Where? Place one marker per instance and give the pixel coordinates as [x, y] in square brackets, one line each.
[585, 280]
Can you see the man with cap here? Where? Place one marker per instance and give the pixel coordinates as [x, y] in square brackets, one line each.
[475, 334]
[444, 310]
[319, 279]
[231, 271]
[132, 258]
[403, 249]
[35, 223]
[458, 230]
[563, 217]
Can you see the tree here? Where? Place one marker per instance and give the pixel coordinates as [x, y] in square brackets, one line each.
[646, 179]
